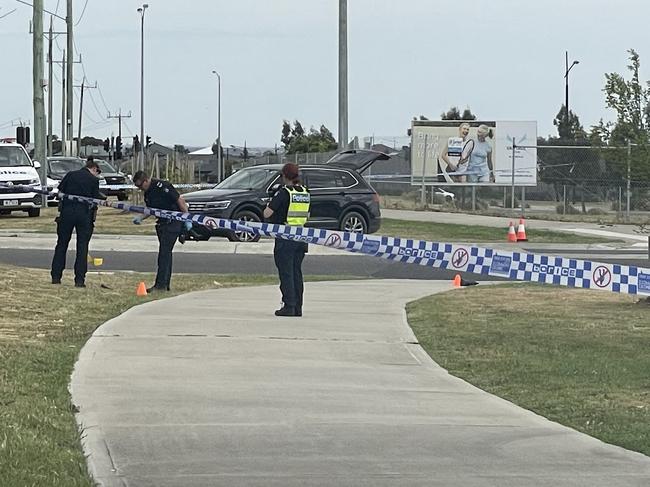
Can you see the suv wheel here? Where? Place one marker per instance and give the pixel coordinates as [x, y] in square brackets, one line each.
[34, 212]
[122, 197]
[354, 222]
[245, 216]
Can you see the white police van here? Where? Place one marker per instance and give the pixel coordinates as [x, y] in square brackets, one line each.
[17, 169]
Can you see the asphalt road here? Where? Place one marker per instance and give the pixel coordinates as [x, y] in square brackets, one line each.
[239, 264]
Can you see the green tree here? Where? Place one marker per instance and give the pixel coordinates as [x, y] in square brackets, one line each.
[286, 138]
[295, 139]
[454, 114]
[571, 129]
[630, 99]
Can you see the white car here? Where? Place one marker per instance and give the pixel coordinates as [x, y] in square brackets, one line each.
[441, 193]
[17, 169]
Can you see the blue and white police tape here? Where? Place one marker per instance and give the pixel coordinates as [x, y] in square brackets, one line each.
[520, 266]
[115, 187]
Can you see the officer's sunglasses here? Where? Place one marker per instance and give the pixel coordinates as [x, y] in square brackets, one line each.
[138, 184]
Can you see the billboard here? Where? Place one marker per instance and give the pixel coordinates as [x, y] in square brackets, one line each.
[470, 152]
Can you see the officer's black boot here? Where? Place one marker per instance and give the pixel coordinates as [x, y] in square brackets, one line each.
[286, 311]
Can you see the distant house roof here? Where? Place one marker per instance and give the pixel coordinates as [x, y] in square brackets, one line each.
[156, 148]
[206, 151]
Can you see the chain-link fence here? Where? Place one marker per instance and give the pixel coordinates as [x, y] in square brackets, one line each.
[604, 183]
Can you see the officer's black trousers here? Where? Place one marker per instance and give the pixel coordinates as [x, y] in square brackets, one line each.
[80, 220]
[288, 256]
[167, 235]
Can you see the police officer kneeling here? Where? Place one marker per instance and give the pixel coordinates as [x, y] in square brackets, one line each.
[163, 196]
[289, 206]
[77, 216]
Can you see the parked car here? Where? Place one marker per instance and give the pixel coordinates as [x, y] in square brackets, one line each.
[340, 198]
[57, 167]
[445, 196]
[16, 171]
[113, 177]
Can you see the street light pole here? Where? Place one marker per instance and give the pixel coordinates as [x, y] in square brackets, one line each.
[142, 10]
[343, 74]
[220, 168]
[566, 85]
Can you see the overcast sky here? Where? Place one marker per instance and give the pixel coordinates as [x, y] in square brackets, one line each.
[278, 60]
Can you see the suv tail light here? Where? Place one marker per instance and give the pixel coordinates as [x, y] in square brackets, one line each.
[375, 197]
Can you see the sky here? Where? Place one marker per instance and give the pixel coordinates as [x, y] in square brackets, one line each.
[278, 60]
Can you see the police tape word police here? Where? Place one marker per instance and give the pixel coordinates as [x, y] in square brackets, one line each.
[554, 270]
[421, 253]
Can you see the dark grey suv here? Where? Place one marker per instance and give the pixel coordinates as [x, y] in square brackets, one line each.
[340, 198]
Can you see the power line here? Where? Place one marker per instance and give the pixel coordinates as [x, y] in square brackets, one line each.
[102, 98]
[82, 13]
[92, 99]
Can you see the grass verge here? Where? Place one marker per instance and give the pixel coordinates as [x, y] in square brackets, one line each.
[114, 222]
[42, 329]
[446, 232]
[577, 357]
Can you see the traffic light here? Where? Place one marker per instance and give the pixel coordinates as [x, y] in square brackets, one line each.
[107, 145]
[148, 141]
[136, 144]
[22, 135]
[118, 147]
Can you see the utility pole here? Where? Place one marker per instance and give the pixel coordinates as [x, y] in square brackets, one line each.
[50, 91]
[39, 100]
[81, 110]
[63, 91]
[141, 11]
[69, 75]
[343, 74]
[119, 117]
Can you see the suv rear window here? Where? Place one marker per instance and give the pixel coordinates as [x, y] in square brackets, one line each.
[324, 178]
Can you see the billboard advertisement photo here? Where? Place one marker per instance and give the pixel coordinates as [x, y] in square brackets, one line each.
[470, 152]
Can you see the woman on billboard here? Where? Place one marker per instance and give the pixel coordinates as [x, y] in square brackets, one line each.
[456, 155]
[480, 167]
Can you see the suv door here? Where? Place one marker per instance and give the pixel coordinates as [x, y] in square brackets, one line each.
[330, 192]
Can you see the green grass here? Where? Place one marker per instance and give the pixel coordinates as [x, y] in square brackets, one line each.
[115, 222]
[446, 232]
[42, 329]
[109, 221]
[577, 357]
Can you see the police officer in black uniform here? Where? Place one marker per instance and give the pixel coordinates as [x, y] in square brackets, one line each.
[163, 196]
[78, 216]
[289, 206]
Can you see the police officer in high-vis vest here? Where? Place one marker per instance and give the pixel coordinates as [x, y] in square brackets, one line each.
[289, 206]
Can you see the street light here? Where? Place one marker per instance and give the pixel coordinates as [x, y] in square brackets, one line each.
[566, 85]
[219, 166]
[141, 11]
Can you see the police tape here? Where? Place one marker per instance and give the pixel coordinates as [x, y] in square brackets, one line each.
[519, 266]
[116, 187]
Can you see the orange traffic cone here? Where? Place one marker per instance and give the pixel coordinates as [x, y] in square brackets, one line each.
[512, 236]
[142, 290]
[521, 231]
[457, 280]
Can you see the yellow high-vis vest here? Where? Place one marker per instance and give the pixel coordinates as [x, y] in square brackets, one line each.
[299, 201]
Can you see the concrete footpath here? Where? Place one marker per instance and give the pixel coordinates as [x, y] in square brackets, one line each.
[211, 389]
[628, 233]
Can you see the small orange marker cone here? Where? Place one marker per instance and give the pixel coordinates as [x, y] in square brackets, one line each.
[142, 290]
[521, 231]
[457, 280]
[512, 236]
